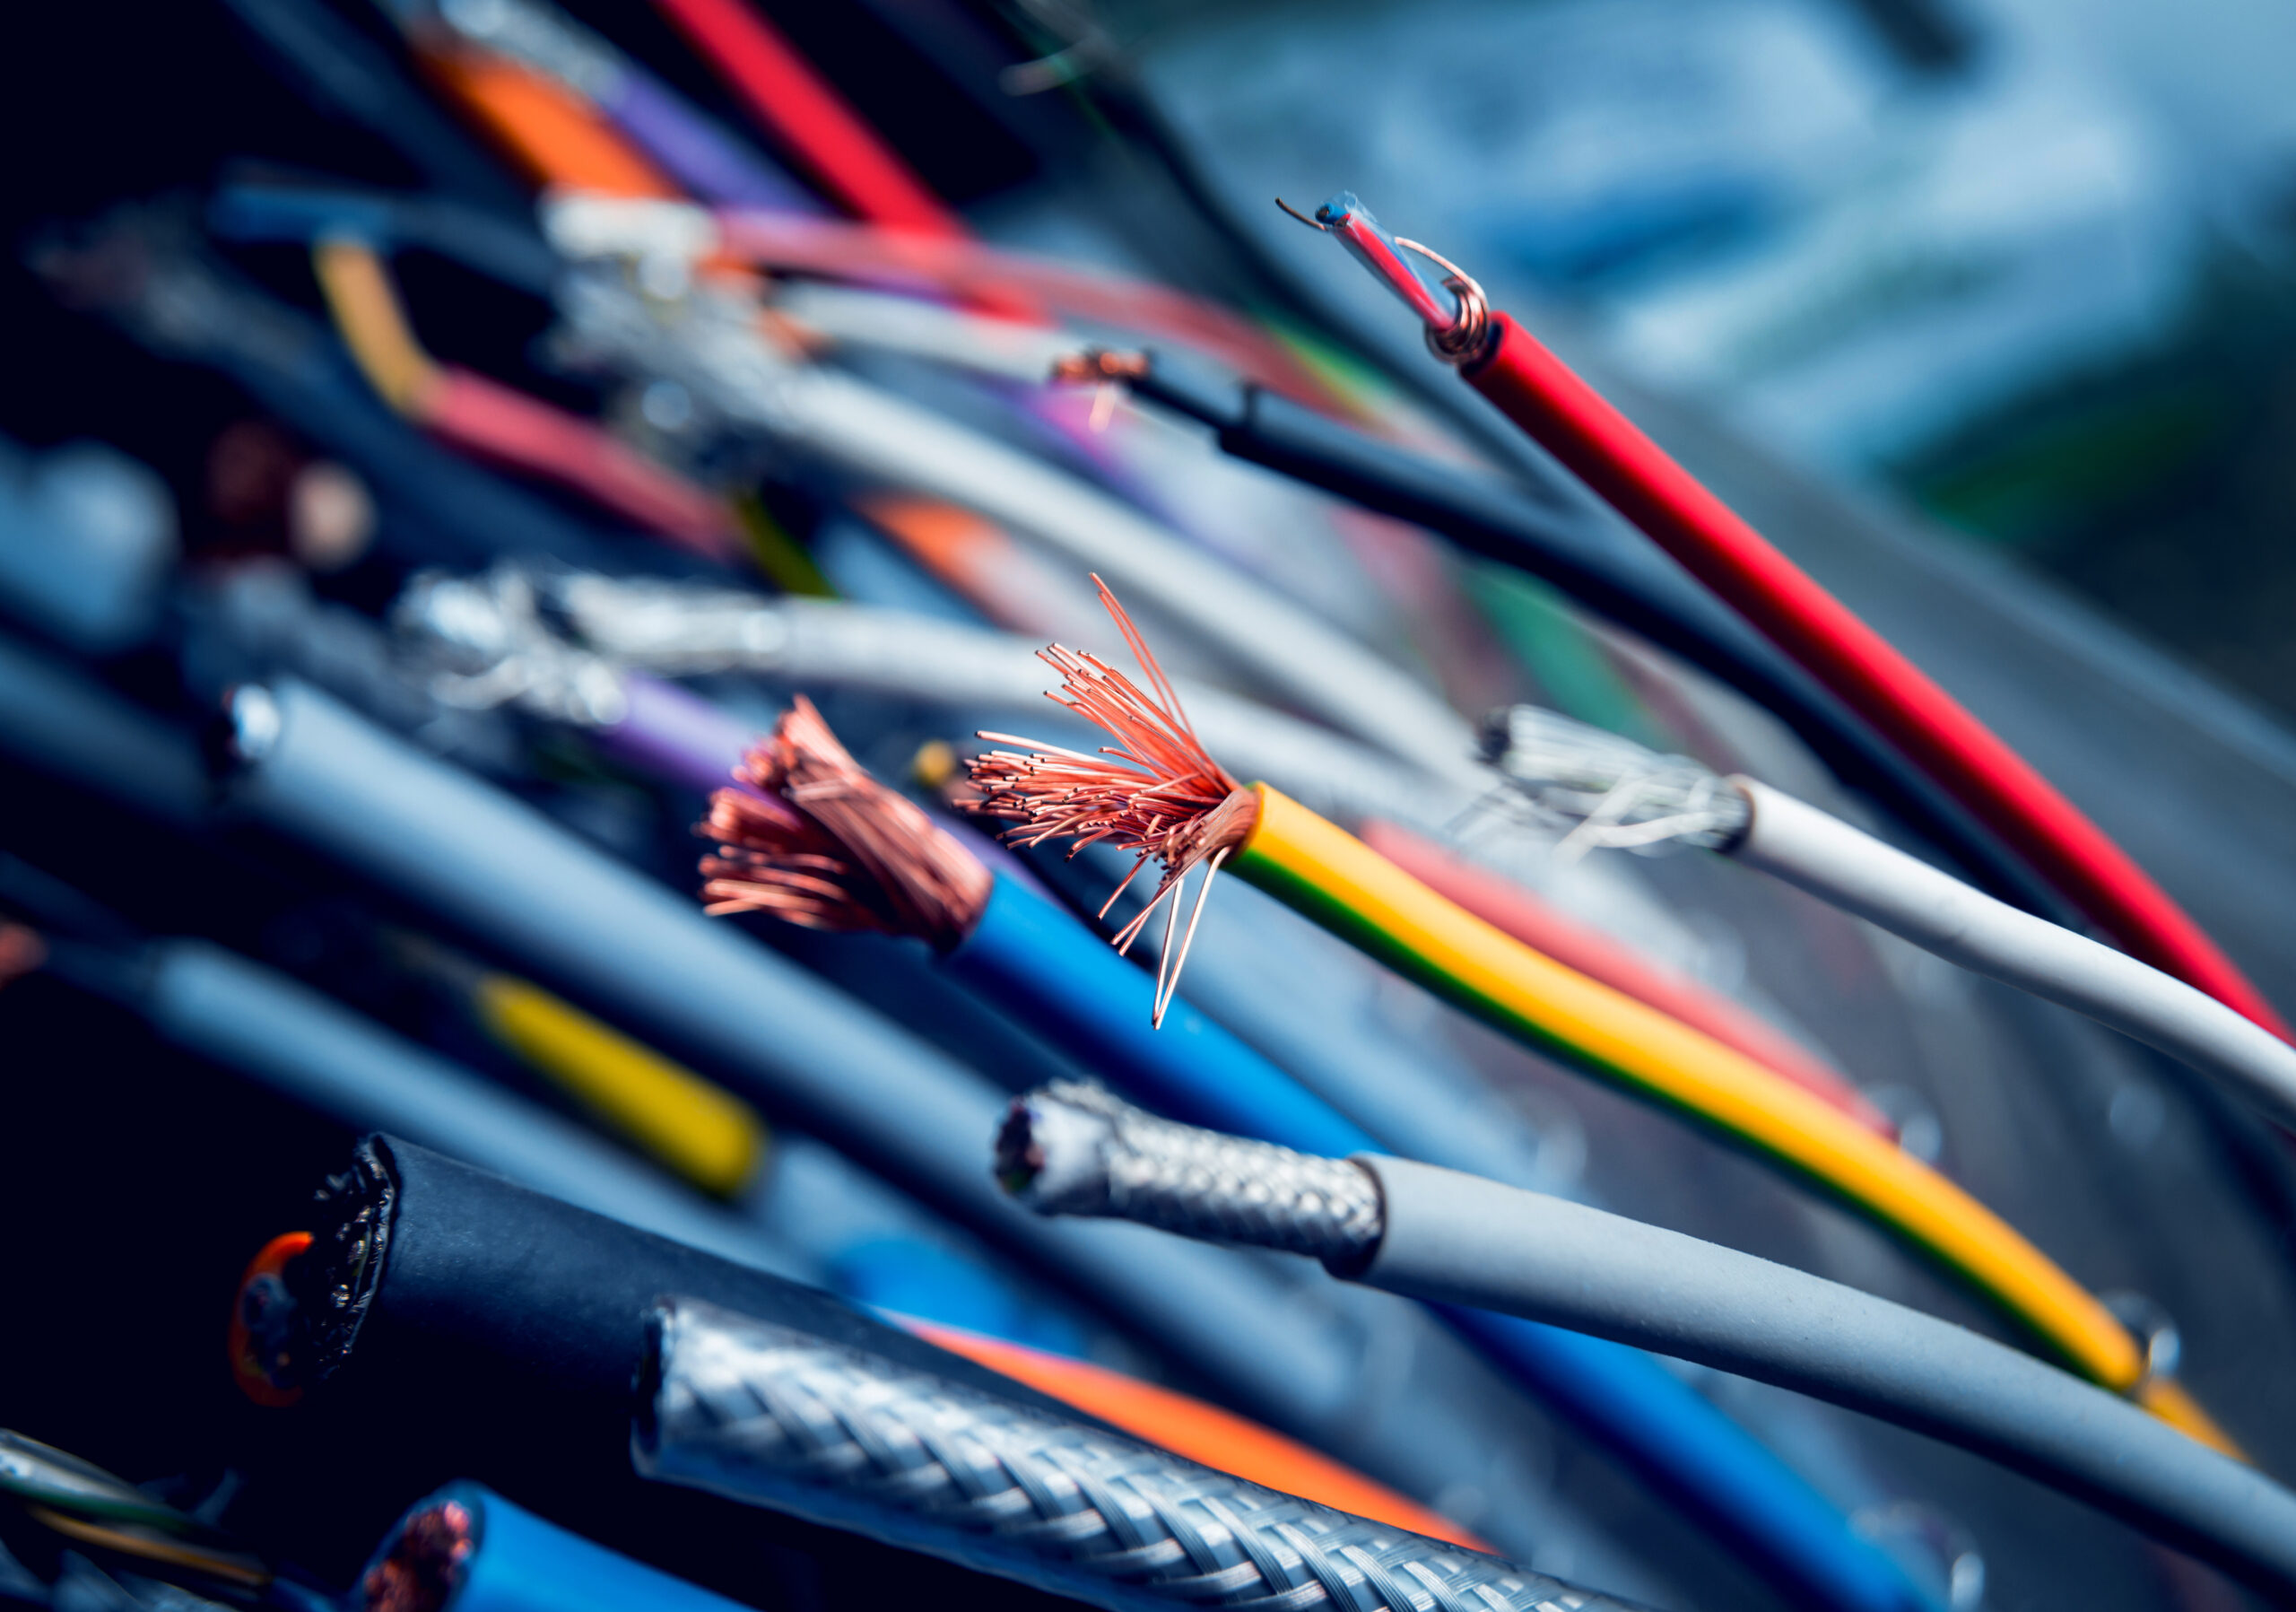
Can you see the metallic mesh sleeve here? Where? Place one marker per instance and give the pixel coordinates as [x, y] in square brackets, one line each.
[1068, 1148]
[778, 1418]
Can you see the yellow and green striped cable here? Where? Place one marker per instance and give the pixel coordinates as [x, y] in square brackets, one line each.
[1331, 878]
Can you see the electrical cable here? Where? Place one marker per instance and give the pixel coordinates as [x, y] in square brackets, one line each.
[1160, 794]
[874, 435]
[1570, 544]
[804, 114]
[494, 421]
[507, 1323]
[554, 137]
[702, 157]
[639, 956]
[1854, 871]
[1568, 773]
[805, 835]
[1191, 1429]
[1512, 909]
[1552, 405]
[139, 268]
[690, 1127]
[294, 1040]
[468, 1549]
[792, 244]
[1440, 1235]
[764, 1414]
[679, 631]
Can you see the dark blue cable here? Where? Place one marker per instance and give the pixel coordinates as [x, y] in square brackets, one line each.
[1033, 959]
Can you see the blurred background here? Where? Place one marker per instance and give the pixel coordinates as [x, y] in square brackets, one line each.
[317, 376]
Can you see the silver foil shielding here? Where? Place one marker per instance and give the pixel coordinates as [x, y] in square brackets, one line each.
[782, 1419]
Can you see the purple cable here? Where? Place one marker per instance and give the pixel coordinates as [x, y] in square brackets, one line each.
[703, 158]
[677, 736]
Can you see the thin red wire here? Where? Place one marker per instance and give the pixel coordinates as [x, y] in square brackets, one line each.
[808, 117]
[1540, 394]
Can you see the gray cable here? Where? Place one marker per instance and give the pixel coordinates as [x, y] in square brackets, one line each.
[1844, 867]
[714, 351]
[682, 630]
[771, 1417]
[1448, 1238]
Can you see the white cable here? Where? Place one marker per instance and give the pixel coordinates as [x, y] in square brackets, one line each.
[848, 317]
[716, 350]
[1808, 848]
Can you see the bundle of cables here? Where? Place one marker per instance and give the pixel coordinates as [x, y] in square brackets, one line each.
[686, 440]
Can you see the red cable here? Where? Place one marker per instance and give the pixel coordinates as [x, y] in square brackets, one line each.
[809, 117]
[1540, 394]
[486, 418]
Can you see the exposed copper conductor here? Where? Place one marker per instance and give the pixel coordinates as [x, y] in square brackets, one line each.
[1157, 792]
[424, 1567]
[808, 835]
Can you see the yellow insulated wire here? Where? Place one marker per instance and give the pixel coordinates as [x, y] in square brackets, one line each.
[1331, 876]
[366, 310]
[706, 1137]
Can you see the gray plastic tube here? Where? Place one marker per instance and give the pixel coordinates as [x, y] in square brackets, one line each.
[1846, 868]
[1457, 1239]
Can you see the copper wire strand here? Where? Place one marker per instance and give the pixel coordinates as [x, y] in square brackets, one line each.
[1467, 336]
[808, 835]
[1156, 792]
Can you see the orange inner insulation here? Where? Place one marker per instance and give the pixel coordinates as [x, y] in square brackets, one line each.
[1195, 1431]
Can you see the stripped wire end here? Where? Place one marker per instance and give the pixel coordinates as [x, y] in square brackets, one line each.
[1459, 335]
[1156, 792]
[805, 834]
[1607, 792]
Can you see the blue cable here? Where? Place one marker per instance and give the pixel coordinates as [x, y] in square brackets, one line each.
[1033, 959]
[517, 1563]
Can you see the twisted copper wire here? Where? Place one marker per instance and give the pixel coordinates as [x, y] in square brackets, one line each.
[813, 840]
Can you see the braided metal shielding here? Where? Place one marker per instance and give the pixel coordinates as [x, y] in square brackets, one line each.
[783, 1419]
[1068, 1148]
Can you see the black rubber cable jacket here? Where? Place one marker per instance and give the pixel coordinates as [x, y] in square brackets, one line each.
[495, 1332]
[1458, 1239]
[1571, 544]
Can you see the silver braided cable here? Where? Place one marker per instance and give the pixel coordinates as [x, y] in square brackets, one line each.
[1068, 1148]
[775, 1417]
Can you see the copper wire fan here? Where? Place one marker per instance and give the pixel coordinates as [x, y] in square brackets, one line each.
[1156, 792]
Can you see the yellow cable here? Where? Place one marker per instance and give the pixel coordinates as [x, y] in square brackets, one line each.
[366, 310]
[708, 1138]
[1344, 884]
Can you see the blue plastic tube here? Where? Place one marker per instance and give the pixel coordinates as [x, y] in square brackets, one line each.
[468, 1549]
[1033, 959]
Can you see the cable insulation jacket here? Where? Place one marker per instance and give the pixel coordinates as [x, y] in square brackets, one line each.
[1847, 869]
[1456, 1239]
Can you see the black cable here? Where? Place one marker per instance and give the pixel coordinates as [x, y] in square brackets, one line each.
[489, 1331]
[1578, 549]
